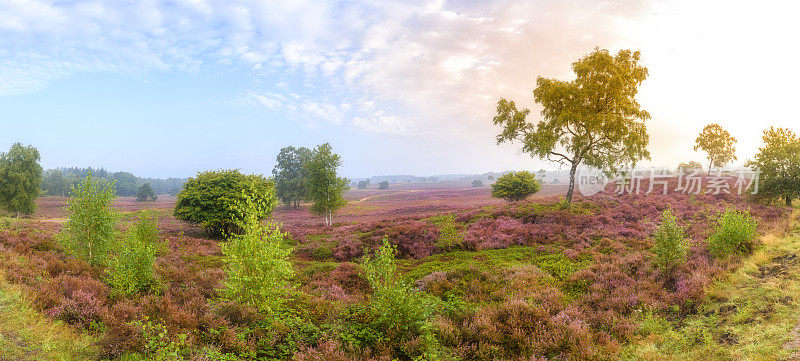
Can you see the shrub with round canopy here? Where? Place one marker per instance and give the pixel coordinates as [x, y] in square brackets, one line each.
[214, 200]
[515, 186]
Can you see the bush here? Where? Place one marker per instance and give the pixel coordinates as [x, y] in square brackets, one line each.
[257, 266]
[734, 233]
[131, 270]
[383, 185]
[89, 232]
[211, 200]
[669, 239]
[399, 310]
[146, 194]
[449, 235]
[157, 344]
[477, 183]
[515, 186]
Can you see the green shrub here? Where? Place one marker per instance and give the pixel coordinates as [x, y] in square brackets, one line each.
[89, 232]
[146, 194]
[670, 246]
[734, 233]
[211, 199]
[449, 235]
[131, 270]
[286, 336]
[399, 310]
[515, 186]
[322, 253]
[257, 266]
[158, 346]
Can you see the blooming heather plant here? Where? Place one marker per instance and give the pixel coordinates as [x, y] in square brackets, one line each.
[734, 233]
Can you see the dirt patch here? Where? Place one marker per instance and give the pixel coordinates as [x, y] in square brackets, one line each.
[727, 310]
[727, 338]
[779, 267]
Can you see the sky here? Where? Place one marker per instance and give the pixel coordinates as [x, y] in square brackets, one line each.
[167, 89]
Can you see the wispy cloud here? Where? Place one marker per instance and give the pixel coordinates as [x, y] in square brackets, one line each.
[443, 63]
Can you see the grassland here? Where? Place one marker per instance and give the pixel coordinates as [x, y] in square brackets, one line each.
[26, 334]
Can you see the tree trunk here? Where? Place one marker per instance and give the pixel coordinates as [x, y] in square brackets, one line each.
[788, 200]
[568, 201]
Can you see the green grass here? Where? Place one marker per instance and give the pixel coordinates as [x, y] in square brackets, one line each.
[492, 260]
[750, 315]
[27, 335]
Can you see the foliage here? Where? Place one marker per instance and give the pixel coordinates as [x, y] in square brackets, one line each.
[20, 179]
[515, 186]
[384, 185]
[211, 199]
[734, 233]
[670, 243]
[477, 183]
[689, 168]
[449, 234]
[131, 269]
[257, 266]
[718, 143]
[362, 184]
[55, 183]
[400, 311]
[593, 120]
[158, 346]
[290, 176]
[325, 187]
[779, 163]
[146, 194]
[530, 281]
[89, 232]
[125, 184]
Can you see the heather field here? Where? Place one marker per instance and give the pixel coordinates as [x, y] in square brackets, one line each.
[523, 280]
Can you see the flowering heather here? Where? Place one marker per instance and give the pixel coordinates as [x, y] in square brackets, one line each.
[529, 281]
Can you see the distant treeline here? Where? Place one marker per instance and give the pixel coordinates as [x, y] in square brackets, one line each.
[57, 182]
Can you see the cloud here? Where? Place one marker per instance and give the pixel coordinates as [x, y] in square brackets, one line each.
[379, 122]
[432, 67]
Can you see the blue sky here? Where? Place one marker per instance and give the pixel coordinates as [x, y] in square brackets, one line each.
[397, 87]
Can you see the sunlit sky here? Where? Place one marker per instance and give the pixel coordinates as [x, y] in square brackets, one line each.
[397, 87]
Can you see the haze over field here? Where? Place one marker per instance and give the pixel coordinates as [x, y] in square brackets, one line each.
[397, 87]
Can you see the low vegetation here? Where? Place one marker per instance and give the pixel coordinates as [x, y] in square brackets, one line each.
[734, 233]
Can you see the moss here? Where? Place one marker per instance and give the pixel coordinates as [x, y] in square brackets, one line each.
[322, 253]
[204, 261]
[495, 260]
[307, 270]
